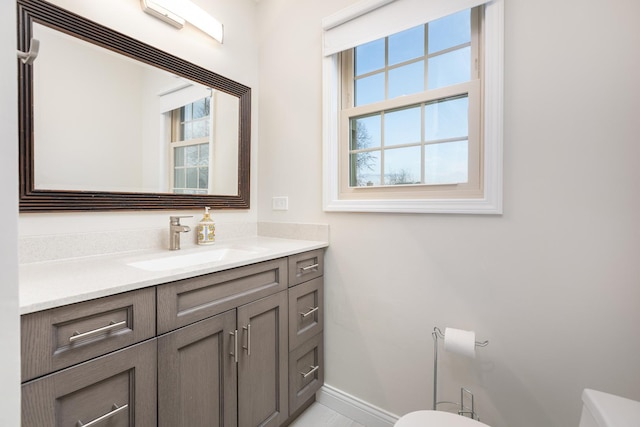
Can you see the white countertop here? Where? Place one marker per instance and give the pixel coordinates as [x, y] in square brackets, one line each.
[50, 284]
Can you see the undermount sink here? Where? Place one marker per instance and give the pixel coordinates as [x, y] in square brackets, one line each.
[188, 260]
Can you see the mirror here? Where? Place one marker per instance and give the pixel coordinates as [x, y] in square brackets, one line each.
[110, 123]
[152, 131]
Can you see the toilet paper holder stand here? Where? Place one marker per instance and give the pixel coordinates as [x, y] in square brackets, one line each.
[463, 410]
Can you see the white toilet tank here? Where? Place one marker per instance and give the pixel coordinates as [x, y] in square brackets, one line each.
[607, 410]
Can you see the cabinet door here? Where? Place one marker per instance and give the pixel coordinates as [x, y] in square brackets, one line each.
[197, 374]
[263, 361]
[118, 390]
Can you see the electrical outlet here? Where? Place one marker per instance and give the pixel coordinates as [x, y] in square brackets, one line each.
[280, 203]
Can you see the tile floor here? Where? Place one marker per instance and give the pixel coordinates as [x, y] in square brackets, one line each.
[318, 415]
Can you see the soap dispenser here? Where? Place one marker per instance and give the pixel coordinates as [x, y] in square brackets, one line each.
[206, 229]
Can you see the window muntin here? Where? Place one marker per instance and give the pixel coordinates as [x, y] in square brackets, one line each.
[411, 111]
[190, 153]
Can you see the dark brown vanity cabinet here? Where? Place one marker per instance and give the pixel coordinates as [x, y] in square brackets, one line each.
[241, 347]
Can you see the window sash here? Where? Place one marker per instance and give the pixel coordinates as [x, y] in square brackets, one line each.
[471, 189]
[173, 168]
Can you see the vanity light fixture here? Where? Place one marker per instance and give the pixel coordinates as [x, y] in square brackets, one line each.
[176, 12]
[154, 8]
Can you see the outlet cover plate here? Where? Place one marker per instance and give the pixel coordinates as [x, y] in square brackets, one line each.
[280, 203]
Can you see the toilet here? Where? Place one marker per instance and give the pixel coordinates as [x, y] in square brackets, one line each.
[436, 419]
[607, 410]
[599, 409]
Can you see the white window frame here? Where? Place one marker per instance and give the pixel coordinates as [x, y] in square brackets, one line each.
[491, 200]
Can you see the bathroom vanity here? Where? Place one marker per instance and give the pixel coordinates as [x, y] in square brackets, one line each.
[235, 342]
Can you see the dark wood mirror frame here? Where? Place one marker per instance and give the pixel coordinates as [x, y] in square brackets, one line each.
[34, 200]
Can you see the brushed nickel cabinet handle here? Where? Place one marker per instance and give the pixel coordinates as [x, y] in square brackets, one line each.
[310, 312]
[234, 334]
[114, 410]
[111, 326]
[311, 371]
[248, 346]
[306, 269]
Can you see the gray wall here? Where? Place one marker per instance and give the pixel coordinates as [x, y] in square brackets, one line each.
[553, 283]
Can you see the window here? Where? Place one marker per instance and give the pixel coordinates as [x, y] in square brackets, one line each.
[406, 110]
[406, 123]
[190, 130]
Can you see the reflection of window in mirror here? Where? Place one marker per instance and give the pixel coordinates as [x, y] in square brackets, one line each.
[199, 134]
[190, 147]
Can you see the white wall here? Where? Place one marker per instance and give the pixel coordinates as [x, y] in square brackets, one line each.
[552, 283]
[9, 319]
[235, 59]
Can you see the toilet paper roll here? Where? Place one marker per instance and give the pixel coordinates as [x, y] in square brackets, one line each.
[460, 342]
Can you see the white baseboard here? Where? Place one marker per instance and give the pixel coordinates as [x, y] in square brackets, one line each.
[354, 408]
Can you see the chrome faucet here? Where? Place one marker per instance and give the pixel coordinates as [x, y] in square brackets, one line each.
[175, 228]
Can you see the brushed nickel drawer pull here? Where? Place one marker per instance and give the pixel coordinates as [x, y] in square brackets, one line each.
[313, 369]
[234, 334]
[310, 312]
[111, 326]
[248, 346]
[306, 269]
[114, 410]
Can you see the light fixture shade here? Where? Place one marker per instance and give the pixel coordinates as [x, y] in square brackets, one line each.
[187, 10]
[155, 9]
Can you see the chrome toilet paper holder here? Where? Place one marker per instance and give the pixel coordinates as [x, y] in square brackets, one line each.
[463, 410]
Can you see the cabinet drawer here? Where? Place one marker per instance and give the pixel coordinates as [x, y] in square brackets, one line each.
[190, 300]
[305, 266]
[120, 387]
[63, 336]
[306, 311]
[306, 371]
